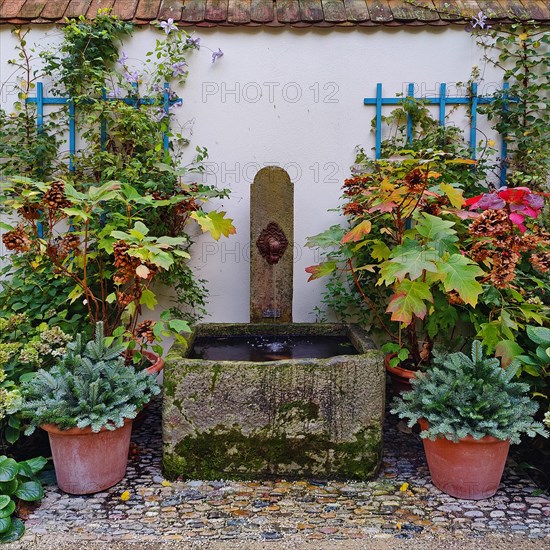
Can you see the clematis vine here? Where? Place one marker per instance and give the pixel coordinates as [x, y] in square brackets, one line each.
[179, 68]
[194, 42]
[168, 26]
[123, 58]
[480, 21]
[131, 77]
[216, 55]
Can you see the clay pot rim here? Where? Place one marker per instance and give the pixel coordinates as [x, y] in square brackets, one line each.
[156, 359]
[55, 430]
[469, 439]
[400, 371]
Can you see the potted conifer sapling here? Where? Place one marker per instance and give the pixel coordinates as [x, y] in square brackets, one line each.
[470, 410]
[87, 402]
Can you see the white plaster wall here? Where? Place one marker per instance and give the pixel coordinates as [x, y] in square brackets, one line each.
[292, 98]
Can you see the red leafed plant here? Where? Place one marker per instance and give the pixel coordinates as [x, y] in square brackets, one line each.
[505, 230]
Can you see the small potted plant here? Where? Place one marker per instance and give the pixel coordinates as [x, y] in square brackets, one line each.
[86, 402]
[470, 410]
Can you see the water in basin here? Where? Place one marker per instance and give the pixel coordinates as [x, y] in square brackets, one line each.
[270, 347]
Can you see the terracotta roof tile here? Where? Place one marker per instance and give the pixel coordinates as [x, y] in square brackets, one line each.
[147, 10]
[125, 9]
[238, 12]
[172, 9]
[311, 11]
[356, 11]
[75, 7]
[216, 10]
[276, 13]
[104, 4]
[11, 8]
[261, 11]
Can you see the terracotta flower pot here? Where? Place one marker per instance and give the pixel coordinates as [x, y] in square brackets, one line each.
[86, 462]
[157, 362]
[469, 469]
[400, 377]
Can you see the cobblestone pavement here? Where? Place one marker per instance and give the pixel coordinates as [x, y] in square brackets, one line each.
[288, 512]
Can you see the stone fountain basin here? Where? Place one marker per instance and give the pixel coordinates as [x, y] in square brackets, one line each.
[292, 418]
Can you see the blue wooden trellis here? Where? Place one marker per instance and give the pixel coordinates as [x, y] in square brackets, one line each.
[442, 101]
[41, 100]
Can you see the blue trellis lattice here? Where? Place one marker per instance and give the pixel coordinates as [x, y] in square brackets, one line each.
[442, 101]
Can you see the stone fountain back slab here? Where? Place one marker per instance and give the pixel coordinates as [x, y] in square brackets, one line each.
[319, 418]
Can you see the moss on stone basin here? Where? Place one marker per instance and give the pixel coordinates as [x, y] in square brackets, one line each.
[293, 418]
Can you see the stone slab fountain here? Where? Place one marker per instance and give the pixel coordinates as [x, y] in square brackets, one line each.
[272, 397]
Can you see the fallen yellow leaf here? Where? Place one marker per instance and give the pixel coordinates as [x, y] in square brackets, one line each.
[165, 483]
[125, 496]
[404, 487]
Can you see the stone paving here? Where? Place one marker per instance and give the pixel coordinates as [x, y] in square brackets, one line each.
[400, 504]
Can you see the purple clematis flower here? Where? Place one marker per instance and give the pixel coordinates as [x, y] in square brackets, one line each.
[178, 68]
[194, 42]
[160, 114]
[123, 58]
[216, 55]
[168, 26]
[131, 77]
[117, 92]
[480, 21]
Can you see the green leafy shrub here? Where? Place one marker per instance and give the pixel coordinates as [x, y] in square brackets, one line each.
[18, 482]
[466, 396]
[89, 386]
[23, 349]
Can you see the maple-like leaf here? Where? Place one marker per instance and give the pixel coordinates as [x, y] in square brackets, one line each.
[409, 259]
[216, 223]
[358, 232]
[460, 274]
[380, 250]
[383, 207]
[438, 232]
[330, 237]
[409, 301]
[320, 270]
[453, 194]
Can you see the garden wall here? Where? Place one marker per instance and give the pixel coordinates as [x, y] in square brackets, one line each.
[292, 98]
